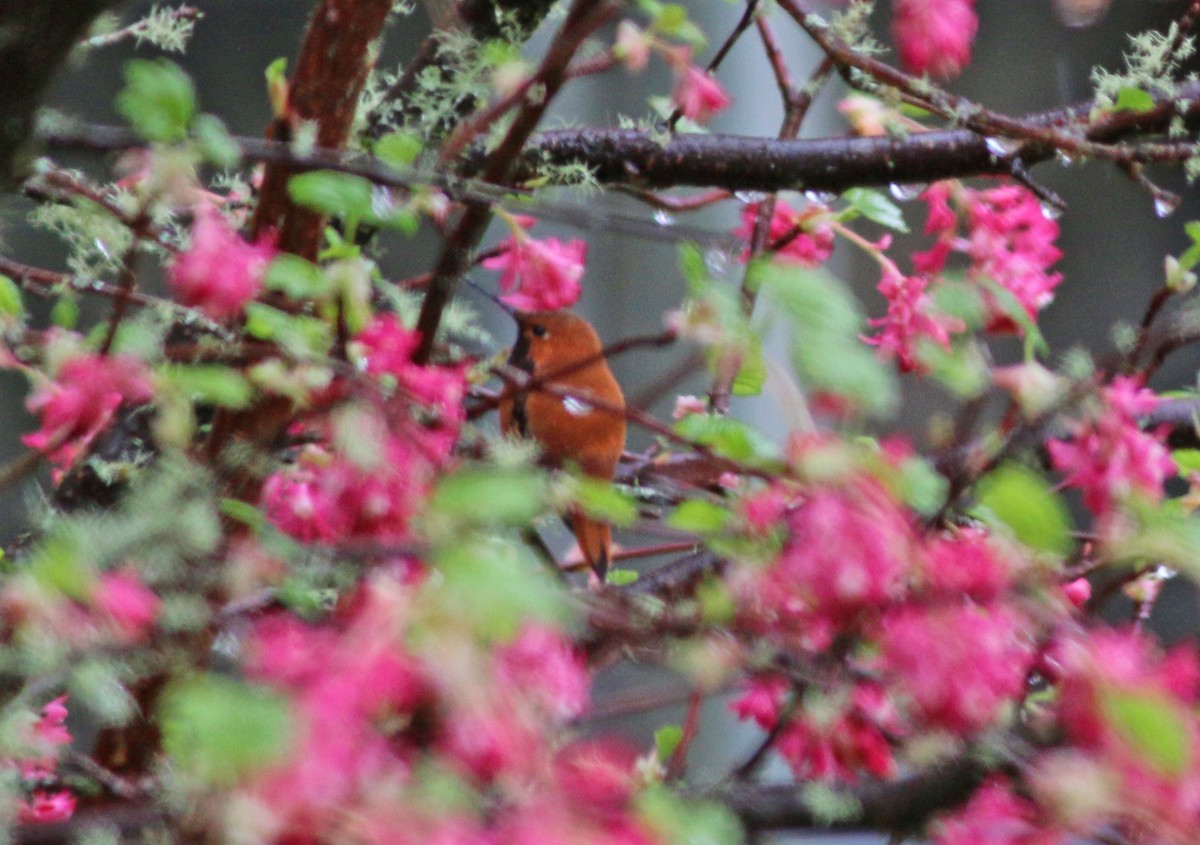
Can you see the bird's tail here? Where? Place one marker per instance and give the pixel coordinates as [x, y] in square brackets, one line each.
[595, 541]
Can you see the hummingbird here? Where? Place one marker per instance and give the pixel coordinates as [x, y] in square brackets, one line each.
[569, 428]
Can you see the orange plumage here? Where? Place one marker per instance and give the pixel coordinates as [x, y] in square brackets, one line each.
[568, 428]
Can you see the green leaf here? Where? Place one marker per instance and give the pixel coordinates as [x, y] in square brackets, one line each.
[210, 384]
[301, 336]
[487, 495]
[215, 143]
[220, 730]
[1186, 460]
[752, 374]
[11, 303]
[494, 587]
[728, 437]
[398, 149]
[1020, 500]
[158, 100]
[621, 577]
[1161, 532]
[699, 516]
[296, 277]
[65, 313]
[603, 501]
[58, 564]
[330, 192]
[922, 487]
[688, 821]
[1012, 308]
[1154, 725]
[875, 206]
[694, 269]
[666, 740]
[826, 327]
[1133, 99]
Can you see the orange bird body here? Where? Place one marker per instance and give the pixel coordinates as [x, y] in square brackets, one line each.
[569, 428]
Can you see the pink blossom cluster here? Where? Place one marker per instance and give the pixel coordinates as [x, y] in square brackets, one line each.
[934, 37]
[942, 634]
[1009, 241]
[1009, 244]
[81, 401]
[1109, 456]
[797, 237]
[995, 815]
[376, 707]
[219, 273]
[115, 609]
[46, 802]
[538, 275]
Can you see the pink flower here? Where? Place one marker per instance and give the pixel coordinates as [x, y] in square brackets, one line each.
[387, 347]
[763, 701]
[542, 665]
[966, 562]
[686, 405]
[995, 816]
[539, 275]
[1011, 242]
[697, 94]
[845, 744]
[798, 237]
[1110, 457]
[220, 272]
[934, 36]
[47, 807]
[910, 319]
[849, 551]
[128, 602]
[82, 401]
[52, 727]
[958, 664]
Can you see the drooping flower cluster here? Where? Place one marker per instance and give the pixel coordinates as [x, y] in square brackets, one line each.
[997, 816]
[1008, 242]
[934, 36]
[383, 718]
[800, 237]
[697, 93]
[46, 801]
[219, 273]
[538, 275]
[933, 619]
[81, 401]
[1109, 456]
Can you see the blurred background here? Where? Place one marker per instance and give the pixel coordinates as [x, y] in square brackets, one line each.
[1026, 58]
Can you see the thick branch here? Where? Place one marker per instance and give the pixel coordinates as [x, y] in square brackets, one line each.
[900, 807]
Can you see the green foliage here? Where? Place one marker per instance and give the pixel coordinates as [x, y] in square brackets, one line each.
[215, 143]
[728, 438]
[97, 242]
[1019, 500]
[99, 686]
[486, 495]
[1154, 726]
[682, 820]
[621, 577]
[210, 384]
[296, 277]
[1134, 100]
[12, 306]
[826, 324]
[494, 587]
[752, 374]
[219, 730]
[699, 516]
[158, 100]
[1186, 461]
[828, 805]
[666, 740]
[299, 335]
[874, 206]
[601, 500]
[398, 149]
[331, 192]
[1159, 532]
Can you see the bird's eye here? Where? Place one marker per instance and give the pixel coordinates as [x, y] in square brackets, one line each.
[539, 330]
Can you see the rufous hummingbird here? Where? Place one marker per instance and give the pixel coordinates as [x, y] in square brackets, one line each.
[568, 427]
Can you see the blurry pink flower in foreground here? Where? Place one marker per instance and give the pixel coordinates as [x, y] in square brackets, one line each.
[793, 235]
[539, 275]
[132, 606]
[996, 816]
[1110, 457]
[697, 94]
[45, 807]
[220, 273]
[934, 36]
[81, 402]
[911, 319]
